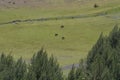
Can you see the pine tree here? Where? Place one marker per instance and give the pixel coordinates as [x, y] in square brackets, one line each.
[55, 72]
[71, 75]
[39, 64]
[6, 67]
[104, 58]
[114, 39]
[44, 68]
[30, 74]
[20, 70]
[107, 75]
[95, 50]
[80, 73]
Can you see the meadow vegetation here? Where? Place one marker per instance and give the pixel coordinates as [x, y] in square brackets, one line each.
[102, 63]
[24, 39]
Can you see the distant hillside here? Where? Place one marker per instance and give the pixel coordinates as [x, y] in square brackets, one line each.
[21, 3]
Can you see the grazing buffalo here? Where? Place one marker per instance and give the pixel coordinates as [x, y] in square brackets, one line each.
[95, 6]
[62, 26]
[56, 34]
[63, 38]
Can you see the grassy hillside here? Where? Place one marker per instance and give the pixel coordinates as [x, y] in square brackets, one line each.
[14, 13]
[80, 34]
[24, 39]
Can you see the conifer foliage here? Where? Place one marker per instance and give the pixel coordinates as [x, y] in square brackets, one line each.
[71, 75]
[6, 67]
[44, 68]
[103, 61]
[40, 68]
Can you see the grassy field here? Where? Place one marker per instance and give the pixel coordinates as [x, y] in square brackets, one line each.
[80, 34]
[24, 39]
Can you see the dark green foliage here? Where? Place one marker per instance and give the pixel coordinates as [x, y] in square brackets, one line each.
[20, 70]
[114, 37]
[79, 73]
[97, 49]
[6, 67]
[71, 75]
[55, 72]
[98, 61]
[39, 64]
[44, 68]
[103, 61]
[104, 58]
[41, 68]
[11, 70]
[30, 74]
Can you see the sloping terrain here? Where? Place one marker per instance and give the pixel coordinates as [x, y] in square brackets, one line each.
[71, 43]
[44, 3]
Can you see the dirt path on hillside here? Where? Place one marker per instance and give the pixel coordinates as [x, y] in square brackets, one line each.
[116, 17]
[52, 18]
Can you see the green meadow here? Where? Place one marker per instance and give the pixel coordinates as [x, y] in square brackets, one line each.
[25, 39]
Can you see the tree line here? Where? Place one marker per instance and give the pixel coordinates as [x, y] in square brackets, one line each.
[40, 68]
[102, 63]
[103, 60]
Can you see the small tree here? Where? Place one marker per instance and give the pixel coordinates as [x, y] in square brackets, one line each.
[6, 67]
[44, 68]
[20, 70]
[71, 75]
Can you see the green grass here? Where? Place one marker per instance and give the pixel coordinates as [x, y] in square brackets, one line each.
[55, 11]
[24, 39]
[80, 34]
